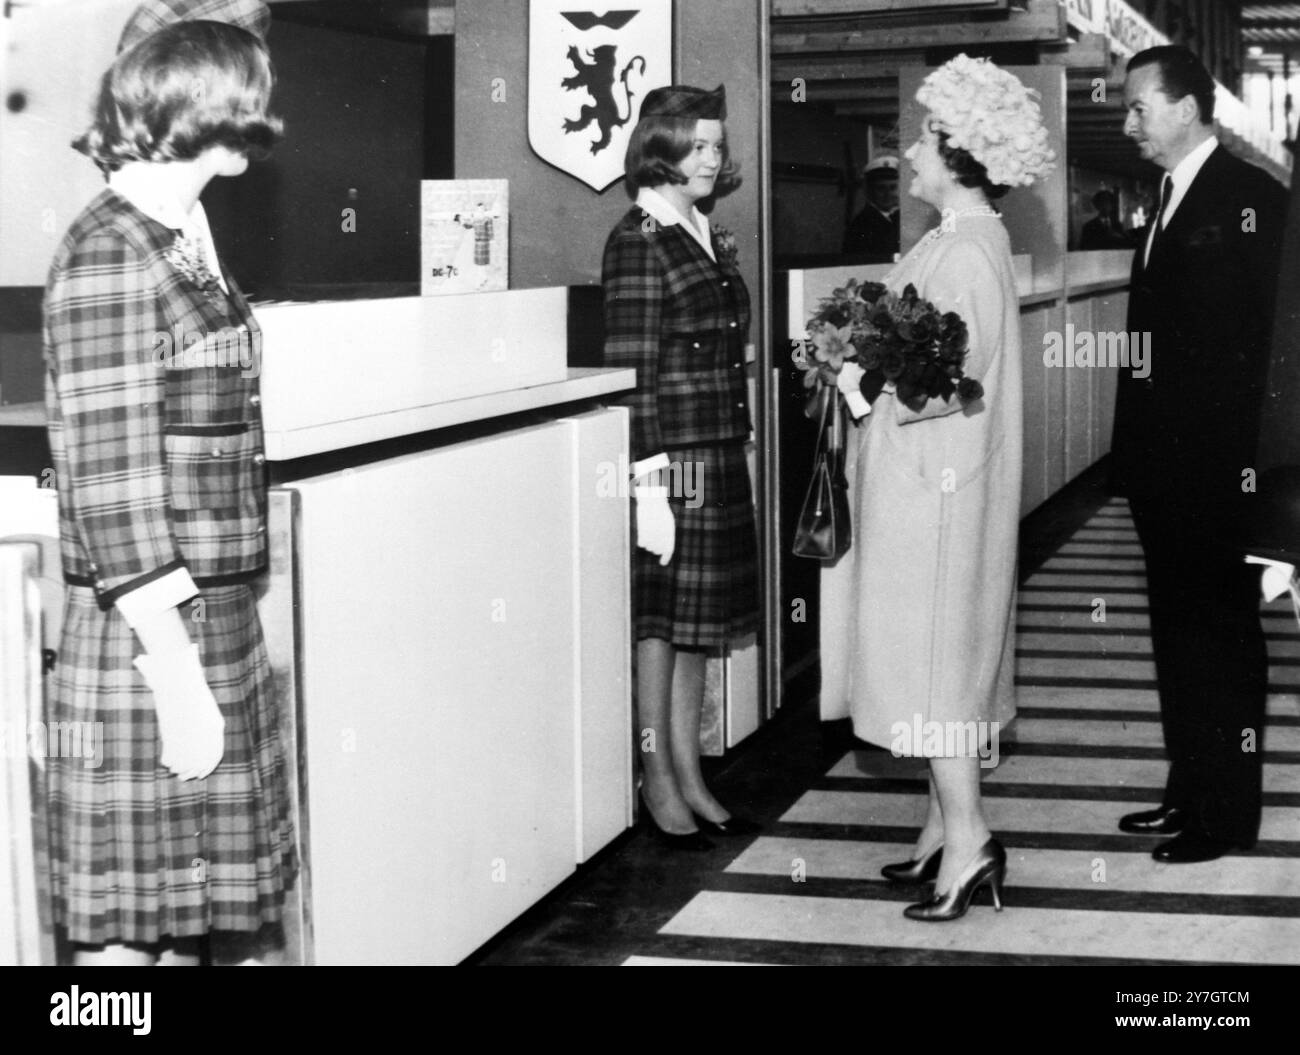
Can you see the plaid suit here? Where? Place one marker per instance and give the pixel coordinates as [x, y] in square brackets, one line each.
[681, 321]
[153, 408]
[151, 391]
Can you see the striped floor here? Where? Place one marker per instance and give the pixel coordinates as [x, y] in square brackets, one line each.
[1085, 748]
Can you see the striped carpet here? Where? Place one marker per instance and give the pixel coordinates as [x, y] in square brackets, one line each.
[1086, 747]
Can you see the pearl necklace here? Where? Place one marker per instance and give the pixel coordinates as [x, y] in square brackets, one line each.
[947, 223]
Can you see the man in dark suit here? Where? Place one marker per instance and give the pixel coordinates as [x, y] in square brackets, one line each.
[1203, 284]
[1106, 229]
[875, 230]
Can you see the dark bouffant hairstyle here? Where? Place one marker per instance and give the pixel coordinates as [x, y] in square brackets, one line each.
[1181, 74]
[180, 90]
[969, 172]
[658, 146]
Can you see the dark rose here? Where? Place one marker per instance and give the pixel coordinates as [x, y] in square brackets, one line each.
[920, 330]
[932, 380]
[836, 316]
[871, 291]
[869, 352]
[969, 390]
[892, 364]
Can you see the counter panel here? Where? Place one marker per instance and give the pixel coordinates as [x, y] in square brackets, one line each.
[440, 777]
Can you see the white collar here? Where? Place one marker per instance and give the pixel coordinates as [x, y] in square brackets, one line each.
[1186, 171]
[663, 211]
[139, 184]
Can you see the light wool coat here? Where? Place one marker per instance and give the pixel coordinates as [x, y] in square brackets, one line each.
[918, 618]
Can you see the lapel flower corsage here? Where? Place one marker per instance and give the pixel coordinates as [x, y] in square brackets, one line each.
[724, 246]
[186, 255]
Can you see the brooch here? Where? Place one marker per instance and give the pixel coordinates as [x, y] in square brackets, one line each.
[187, 257]
[724, 244]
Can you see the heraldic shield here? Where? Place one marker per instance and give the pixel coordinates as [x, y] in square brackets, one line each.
[588, 72]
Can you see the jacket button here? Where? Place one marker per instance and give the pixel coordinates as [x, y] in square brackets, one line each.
[217, 452]
[261, 529]
[733, 325]
[725, 283]
[255, 400]
[695, 344]
[737, 365]
[259, 458]
[741, 406]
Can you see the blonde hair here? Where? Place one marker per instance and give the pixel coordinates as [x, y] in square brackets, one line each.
[180, 90]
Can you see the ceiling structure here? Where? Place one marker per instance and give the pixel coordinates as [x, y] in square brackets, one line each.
[849, 60]
[1274, 29]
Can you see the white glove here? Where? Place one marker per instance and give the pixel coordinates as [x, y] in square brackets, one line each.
[849, 382]
[656, 530]
[190, 727]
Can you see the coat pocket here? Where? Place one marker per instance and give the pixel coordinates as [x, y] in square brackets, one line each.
[212, 469]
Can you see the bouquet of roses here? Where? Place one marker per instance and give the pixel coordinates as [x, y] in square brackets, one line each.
[894, 338]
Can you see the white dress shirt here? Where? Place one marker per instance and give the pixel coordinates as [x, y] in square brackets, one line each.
[1181, 178]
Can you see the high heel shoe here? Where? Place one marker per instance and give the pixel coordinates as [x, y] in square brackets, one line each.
[673, 840]
[733, 825]
[921, 870]
[989, 866]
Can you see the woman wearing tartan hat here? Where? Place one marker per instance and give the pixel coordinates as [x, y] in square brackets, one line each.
[918, 618]
[180, 826]
[677, 310]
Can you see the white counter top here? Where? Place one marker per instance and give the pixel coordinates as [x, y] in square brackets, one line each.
[281, 445]
[579, 383]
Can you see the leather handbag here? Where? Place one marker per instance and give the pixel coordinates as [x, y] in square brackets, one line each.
[824, 531]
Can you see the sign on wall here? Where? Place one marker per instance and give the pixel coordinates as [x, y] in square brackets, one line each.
[588, 72]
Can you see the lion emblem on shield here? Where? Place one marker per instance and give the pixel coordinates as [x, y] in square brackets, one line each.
[597, 75]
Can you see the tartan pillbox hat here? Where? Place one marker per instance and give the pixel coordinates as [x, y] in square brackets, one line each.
[153, 15]
[679, 100]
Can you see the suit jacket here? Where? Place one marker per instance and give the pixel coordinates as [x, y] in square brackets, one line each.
[1185, 434]
[873, 232]
[682, 321]
[1097, 233]
[153, 409]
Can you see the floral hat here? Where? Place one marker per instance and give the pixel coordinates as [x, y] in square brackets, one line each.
[990, 114]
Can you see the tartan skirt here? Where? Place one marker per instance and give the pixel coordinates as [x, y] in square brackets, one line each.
[137, 855]
[707, 595]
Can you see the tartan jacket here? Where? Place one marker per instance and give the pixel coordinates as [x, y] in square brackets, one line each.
[682, 322]
[153, 409]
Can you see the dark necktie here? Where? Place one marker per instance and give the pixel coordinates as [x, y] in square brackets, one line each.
[1166, 192]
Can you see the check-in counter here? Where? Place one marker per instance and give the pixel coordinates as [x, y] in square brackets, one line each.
[462, 692]
[447, 614]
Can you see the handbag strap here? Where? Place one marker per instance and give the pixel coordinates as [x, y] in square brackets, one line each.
[830, 430]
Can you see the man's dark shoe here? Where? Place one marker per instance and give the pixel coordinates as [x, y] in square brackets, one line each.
[1192, 848]
[1167, 820]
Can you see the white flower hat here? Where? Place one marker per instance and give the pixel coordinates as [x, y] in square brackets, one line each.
[989, 113]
